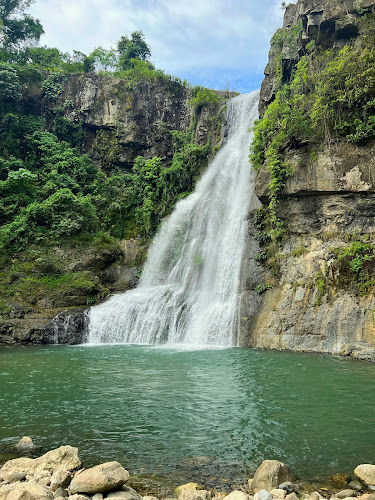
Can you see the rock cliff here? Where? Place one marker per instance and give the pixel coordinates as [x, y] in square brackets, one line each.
[327, 205]
[118, 121]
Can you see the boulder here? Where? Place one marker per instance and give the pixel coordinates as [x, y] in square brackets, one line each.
[366, 474]
[150, 497]
[187, 486]
[25, 444]
[97, 496]
[99, 479]
[355, 485]
[346, 493]
[269, 475]
[262, 495]
[237, 495]
[13, 477]
[60, 493]
[21, 465]
[126, 493]
[60, 479]
[78, 497]
[42, 478]
[315, 496]
[278, 493]
[190, 494]
[287, 486]
[65, 457]
[29, 491]
[291, 496]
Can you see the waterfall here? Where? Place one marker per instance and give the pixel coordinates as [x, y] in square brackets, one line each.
[189, 289]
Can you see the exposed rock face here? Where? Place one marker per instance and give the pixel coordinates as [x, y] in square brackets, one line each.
[326, 22]
[328, 200]
[139, 114]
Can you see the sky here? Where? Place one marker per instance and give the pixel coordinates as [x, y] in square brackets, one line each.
[214, 43]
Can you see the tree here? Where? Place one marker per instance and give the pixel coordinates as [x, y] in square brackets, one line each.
[16, 27]
[132, 48]
[105, 60]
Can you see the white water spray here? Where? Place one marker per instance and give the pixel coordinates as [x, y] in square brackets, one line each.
[189, 289]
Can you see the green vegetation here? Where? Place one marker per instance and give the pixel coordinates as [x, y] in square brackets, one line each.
[262, 287]
[54, 197]
[328, 96]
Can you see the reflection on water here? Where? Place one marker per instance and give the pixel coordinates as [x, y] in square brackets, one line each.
[206, 415]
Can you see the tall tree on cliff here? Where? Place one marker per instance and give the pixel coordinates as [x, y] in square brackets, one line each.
[132, 48]
[16, 27]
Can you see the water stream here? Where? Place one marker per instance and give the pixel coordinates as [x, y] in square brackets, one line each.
[188, 292]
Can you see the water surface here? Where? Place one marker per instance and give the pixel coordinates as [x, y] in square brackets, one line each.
[209, 415]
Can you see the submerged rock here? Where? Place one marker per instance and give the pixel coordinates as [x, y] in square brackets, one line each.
[25, 444]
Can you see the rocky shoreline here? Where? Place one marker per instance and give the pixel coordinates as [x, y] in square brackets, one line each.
[59, 475]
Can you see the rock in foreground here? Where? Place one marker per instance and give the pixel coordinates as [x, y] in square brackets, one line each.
[269, 475]
[99, 479]
[366, 474]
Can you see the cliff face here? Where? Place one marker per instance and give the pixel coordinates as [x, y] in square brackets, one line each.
[118, 121]
[327, 206]
[328, 23]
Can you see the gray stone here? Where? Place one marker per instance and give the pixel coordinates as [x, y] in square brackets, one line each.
[291, 496]
[262, 495]
[278, 493]
[189, 494]
[287, 486]
[60, 493]
[237, 495]
[125, 492]
[269, 475]
[366, 474]
[28, 491]
[99, 479]
[78, 497]
[346, 493]
[315, 496]
[60, 479]
[25, 444]
[13, 477]
[355, 485]
[98, 496]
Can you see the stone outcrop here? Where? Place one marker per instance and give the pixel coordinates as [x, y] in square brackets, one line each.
[329, 23]
[138, 116]
[329, 199]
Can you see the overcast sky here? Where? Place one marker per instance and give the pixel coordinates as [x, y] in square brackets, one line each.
[215, 43]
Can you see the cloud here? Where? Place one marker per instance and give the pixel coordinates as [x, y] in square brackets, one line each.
[209, 42]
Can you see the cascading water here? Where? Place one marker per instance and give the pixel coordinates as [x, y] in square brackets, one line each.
[189, 289]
